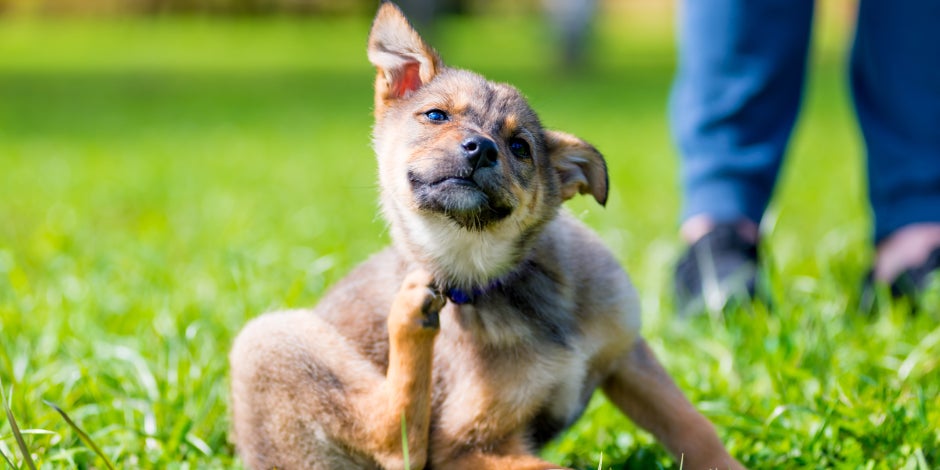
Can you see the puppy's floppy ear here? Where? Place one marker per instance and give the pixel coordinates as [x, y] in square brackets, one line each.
[403, 60]
[580, 167]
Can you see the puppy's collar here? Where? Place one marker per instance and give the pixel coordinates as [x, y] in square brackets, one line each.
[467, 296]
[463, 297]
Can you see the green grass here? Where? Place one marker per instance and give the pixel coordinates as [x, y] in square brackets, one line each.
[162, 181]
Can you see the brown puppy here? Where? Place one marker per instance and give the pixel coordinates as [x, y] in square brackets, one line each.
[486, 327]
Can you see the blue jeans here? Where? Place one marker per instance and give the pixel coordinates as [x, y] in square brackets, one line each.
[738, 88]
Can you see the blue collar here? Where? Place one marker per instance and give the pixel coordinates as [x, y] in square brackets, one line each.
[463, 297]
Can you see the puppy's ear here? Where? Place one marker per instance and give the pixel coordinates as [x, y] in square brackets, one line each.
[403, 60]
[579, 165]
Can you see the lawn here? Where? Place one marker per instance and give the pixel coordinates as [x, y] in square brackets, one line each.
[164, 180]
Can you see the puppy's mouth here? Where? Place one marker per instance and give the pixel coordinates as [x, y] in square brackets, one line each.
[453, 180]
[475, 201]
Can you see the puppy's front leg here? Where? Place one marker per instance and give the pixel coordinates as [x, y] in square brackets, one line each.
[642, 389]
[413, 324]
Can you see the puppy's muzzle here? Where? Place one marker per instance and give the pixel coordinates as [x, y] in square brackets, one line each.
[480, 152]
[464, 184]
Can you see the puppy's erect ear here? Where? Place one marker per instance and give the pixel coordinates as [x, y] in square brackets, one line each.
[579, 165]
[404, 62]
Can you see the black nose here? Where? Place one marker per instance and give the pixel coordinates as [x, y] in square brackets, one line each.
[480, 151]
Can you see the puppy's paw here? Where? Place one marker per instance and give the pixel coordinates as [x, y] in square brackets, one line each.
[417, 306]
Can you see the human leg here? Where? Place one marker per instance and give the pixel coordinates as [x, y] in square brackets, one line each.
[734, 102]
[735, 99]
[895, 72]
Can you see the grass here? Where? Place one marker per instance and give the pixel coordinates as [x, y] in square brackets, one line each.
[164, 180]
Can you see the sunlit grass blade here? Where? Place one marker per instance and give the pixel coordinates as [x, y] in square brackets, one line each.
[7, 459]
[16, 431]
[28, 432]
[82, 435]
[404, 442]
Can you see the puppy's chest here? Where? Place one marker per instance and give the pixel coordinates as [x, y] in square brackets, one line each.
[485, 393]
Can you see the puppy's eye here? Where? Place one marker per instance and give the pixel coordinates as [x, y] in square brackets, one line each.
[436, 115]
[520, 148]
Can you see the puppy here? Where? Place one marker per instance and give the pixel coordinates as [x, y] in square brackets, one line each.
[485, 328]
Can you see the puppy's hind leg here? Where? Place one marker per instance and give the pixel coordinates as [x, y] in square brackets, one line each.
[642, 389]
[304, 397]
[294, 378]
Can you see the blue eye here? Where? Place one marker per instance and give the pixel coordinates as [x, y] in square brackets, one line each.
[436, 115]
[520, 148]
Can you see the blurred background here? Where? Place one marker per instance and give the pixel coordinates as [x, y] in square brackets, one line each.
[222, 101]
[170, 169]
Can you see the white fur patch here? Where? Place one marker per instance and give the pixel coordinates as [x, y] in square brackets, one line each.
[468, 257]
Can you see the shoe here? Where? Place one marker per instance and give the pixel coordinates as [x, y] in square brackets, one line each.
[719, 267]
[912, 283]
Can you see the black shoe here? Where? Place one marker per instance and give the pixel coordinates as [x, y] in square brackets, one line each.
[912, 283]
[719, 267]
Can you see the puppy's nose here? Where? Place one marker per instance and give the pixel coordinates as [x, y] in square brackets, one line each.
[480, 151]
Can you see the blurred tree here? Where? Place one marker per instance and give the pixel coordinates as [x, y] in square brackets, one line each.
[148, 7]
[423, 13]
[571, 21]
